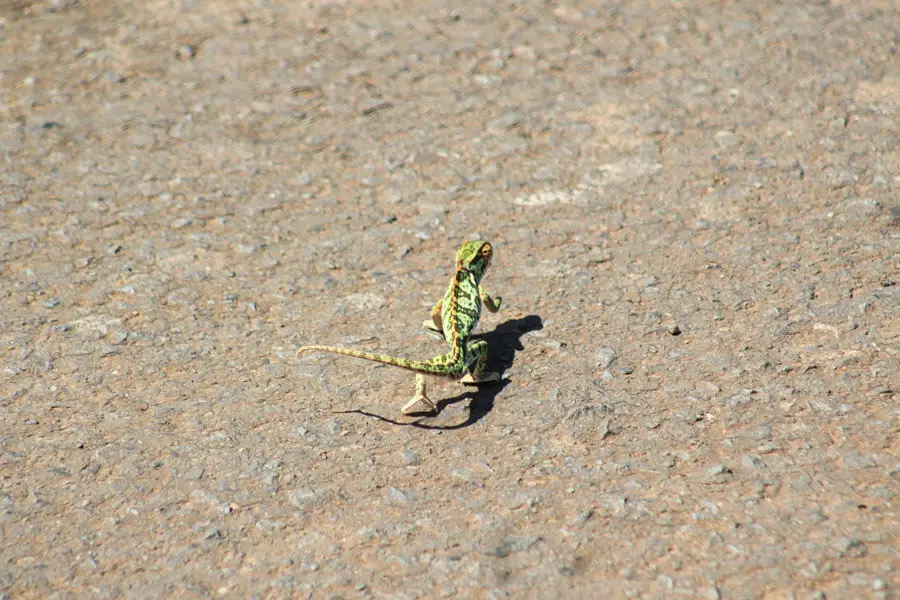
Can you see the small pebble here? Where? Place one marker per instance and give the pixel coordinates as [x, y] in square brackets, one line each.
[194, 473]
[718, 474]
[524, 53]
[303, 497]
[465, 475]
[856, 460]
[727, 139]
[396, 497]
[507, 121]
[751, 462]
[849, 547]
[373, 106]
[606, 357]
[185, 52]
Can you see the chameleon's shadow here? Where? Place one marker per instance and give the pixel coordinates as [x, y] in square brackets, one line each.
[503, 343]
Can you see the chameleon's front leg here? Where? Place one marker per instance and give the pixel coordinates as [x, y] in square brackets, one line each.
[420, 402]
[435, 323]
[492, 304]
[478, 351]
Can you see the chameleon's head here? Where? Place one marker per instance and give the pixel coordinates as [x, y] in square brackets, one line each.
[474, 256]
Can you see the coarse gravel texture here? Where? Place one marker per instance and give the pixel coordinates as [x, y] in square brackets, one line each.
[694, 208]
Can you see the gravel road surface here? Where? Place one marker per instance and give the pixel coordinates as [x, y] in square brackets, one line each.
[694, 210]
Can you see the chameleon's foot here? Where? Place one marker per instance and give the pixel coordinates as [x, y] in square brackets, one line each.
[485, 377]
[419, 404]
[432, 328]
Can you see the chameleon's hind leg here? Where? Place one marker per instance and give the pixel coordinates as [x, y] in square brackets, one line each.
[420, 403]
[478, 350]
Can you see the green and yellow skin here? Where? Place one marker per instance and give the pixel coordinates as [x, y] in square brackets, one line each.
[455, 317]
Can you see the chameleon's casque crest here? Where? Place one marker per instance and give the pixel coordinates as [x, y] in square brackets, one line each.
[475, 257]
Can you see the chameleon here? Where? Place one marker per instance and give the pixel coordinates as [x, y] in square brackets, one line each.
[454, 317]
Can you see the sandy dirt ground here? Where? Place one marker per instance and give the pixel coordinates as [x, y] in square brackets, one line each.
[694, 209]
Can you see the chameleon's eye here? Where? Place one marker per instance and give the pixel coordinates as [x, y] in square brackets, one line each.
[486, 250]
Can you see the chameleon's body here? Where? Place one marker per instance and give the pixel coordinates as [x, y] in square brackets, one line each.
[455, 316]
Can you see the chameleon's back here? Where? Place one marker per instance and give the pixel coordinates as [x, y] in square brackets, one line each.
[462, 307]
[462, 303]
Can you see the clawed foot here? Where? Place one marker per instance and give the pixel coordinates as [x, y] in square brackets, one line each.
[419, 404]
[485, 377]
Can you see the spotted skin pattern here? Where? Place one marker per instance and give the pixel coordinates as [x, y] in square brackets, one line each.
[455, 317]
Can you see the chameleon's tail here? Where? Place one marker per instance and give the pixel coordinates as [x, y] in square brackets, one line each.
[447, 364]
